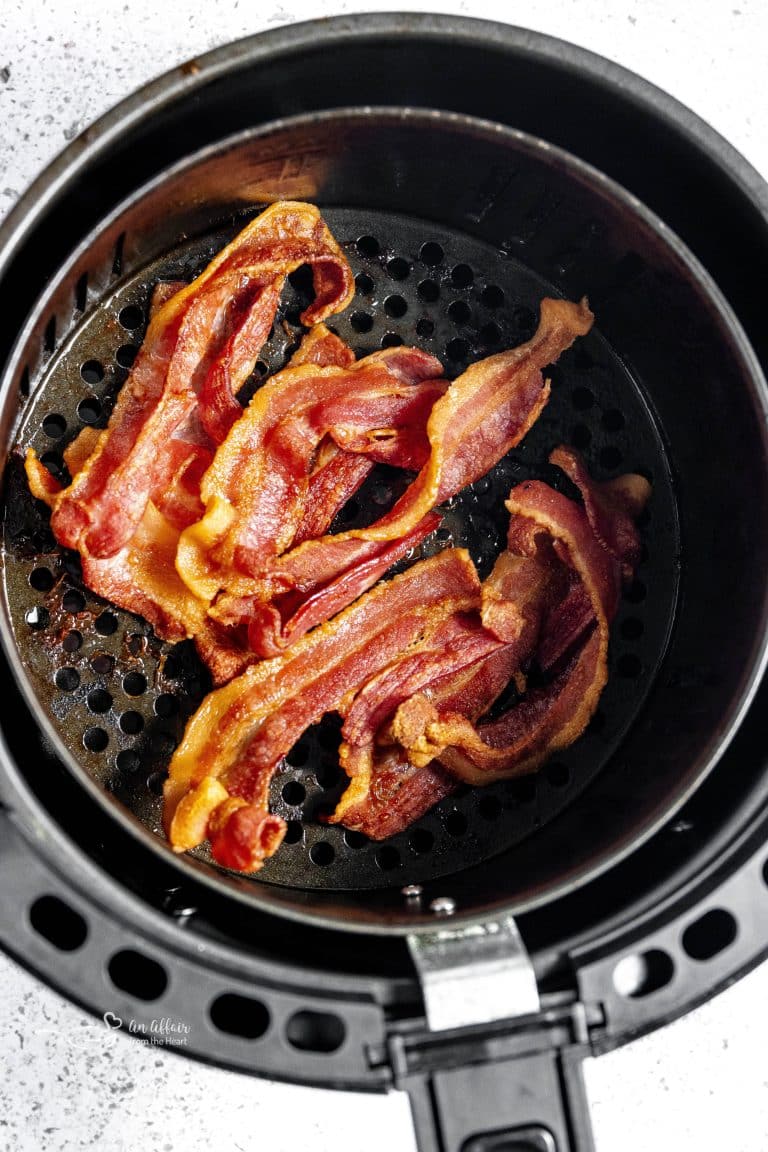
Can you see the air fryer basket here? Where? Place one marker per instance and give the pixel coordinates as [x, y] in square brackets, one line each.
[455, 227]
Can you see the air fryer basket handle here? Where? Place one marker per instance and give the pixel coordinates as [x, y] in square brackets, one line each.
[534, 1102]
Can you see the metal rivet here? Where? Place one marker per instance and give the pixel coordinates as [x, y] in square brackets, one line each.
[443, 906]
[412, 891]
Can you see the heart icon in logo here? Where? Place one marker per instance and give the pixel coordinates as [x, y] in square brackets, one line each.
[112, 1021]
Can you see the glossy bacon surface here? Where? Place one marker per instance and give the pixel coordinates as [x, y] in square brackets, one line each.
[234, 742]
[198, 327]
[484, 413]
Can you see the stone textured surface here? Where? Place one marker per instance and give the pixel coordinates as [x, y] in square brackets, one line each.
[66, 1083]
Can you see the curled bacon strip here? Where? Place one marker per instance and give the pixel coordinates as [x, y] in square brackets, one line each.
[142, 576]
[257, 489]
[485, 412]
[217, 320]
[554, 716]
[237, 737]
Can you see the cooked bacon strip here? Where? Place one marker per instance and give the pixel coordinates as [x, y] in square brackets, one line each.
[101, 509]
[237, 737]
[611, 506]
[257, 487]
[467, 665]
[387, 792]
[329, 489]
[323, 348]
[554, 716]
[274, 626]
[484, 414]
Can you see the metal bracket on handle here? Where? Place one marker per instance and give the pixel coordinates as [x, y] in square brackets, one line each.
[474, 974]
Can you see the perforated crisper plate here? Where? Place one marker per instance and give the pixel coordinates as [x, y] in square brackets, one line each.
[119, 698]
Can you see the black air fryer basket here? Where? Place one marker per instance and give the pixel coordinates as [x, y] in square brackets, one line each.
[468, 169]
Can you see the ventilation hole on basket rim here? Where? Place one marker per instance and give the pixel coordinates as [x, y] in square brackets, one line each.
[462, 276]
[37, 618]
[99, 700]
[431, 253]
[239, 1016]
[294, 793]
[131, 317]
[610, 457]
[322, 853]
[95, 739]
[131, 723]
[428, 291]
[643, 973]
[455, 823]
[54, 425]
[67, 679]
[72, 641]
[126, 354]
[364, 284]
[105, 624]
[581, 436]
[420, 841]
[128, 760]
[391, 340]
[398, 268]
[166, 705]
[137, 974]
[92, 371]
[368, 246]
[395, 306]
[294, 832]
[156, 781]
[361, 321]
[388, 858]
[354, 840]
[492, 296]
[711, 934]
[134, 684]
[102, 663]
[425, 327]
[315, 1031]
[457, 349]
[459, 312]
[58, 923]
[89, 409]
[41, 579]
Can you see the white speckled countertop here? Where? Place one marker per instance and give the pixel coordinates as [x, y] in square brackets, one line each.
[65, 1083]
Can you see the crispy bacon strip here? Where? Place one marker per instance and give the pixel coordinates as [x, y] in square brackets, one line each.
[387, 792]
[484, 413]
[468, 664]
[257, 488]
[237, 737]
[554, 716]
[101, 509]
[273, 626]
